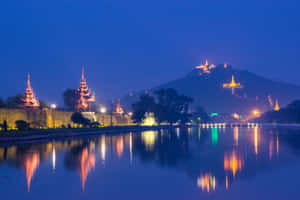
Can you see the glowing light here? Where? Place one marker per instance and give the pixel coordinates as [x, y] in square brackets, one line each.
[120, 146]
[87, 162]
[130, 113]
[30, 100]
[276, 108]
[149, 137]
[233, 163]
[103, 110]
[236, 116]
[85, 94]
[30, 163]
[214, 135]
[149, 120]
[232, 85]
[118, 109]
[226, 182]
[206, 182]
[53, 106]
[236, 135]
[214, 114]
[256, 113]
[206, 68]
[103, 148]
[256, 140]
[53, 159]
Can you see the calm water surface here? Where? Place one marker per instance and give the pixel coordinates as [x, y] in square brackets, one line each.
[215, 163]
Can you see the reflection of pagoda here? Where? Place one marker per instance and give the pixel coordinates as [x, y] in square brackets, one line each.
[85, 95]
[30, 101]
[87, 161]
[30, 162]
[118, 109]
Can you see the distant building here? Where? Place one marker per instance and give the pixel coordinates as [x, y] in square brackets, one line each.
[86, 98]
[276, 108]
[29, 100]
[118, 109]
[232, 85]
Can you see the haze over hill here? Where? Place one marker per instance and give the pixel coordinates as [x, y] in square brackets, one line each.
[205, 85]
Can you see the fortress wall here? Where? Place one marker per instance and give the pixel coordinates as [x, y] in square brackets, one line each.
[47, 118]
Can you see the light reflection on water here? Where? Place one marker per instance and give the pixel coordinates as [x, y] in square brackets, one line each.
[204, 161]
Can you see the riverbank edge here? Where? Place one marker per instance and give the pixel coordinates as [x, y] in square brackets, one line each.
[72, 133]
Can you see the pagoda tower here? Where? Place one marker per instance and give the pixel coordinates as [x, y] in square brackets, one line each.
[232, 85]
[118, 109]
[276, 108]
[85, 95]
[30, 101]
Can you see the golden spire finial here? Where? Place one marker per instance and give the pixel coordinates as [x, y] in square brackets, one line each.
[82, 73]
[206, 63]
[28, 80]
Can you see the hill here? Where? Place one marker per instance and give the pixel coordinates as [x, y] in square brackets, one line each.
[205, 85]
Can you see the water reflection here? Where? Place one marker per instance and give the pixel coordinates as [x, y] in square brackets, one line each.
[208, 157]
[30, 162]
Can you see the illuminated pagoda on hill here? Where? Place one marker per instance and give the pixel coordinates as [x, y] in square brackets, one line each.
[29, 100]
[205, 68]
[85, 95]
[118, 109]
[276, 108]
[232, 85]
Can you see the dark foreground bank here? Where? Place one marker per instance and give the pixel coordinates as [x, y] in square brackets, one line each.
[71, 133]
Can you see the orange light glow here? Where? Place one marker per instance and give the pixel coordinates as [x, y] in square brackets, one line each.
[256, 113]
[206, 182]
[276, 108]
[30, 163]
[120, 146]
[236, 135]
[232, 85]
[85, 95]
[87, 162]
[233, 163]
[256, 140]
[30, 100]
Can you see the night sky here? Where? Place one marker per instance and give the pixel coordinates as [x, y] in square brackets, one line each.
[129, 45]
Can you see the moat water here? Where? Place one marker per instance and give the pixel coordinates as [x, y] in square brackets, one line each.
[196, 163]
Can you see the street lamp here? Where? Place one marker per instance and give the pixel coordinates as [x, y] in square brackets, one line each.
[53, 106]
[103, 111]
[256, 112]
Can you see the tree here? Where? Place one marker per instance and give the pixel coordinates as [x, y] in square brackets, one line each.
[200, 115]
[172, 106]
[43, 104]
[145, 104]
[78, 118]
[22, 125]
[70, 98]
[168, 106]
[15, 101]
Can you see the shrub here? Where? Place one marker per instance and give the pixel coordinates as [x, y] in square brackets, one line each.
[22, 125]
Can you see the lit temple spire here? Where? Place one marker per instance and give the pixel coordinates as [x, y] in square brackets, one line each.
[232, 85]
[205, 69]
[30, 100]
[85, 95]
[118, 109]
[276, 108]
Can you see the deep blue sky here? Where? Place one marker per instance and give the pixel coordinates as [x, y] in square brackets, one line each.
[134, 44]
